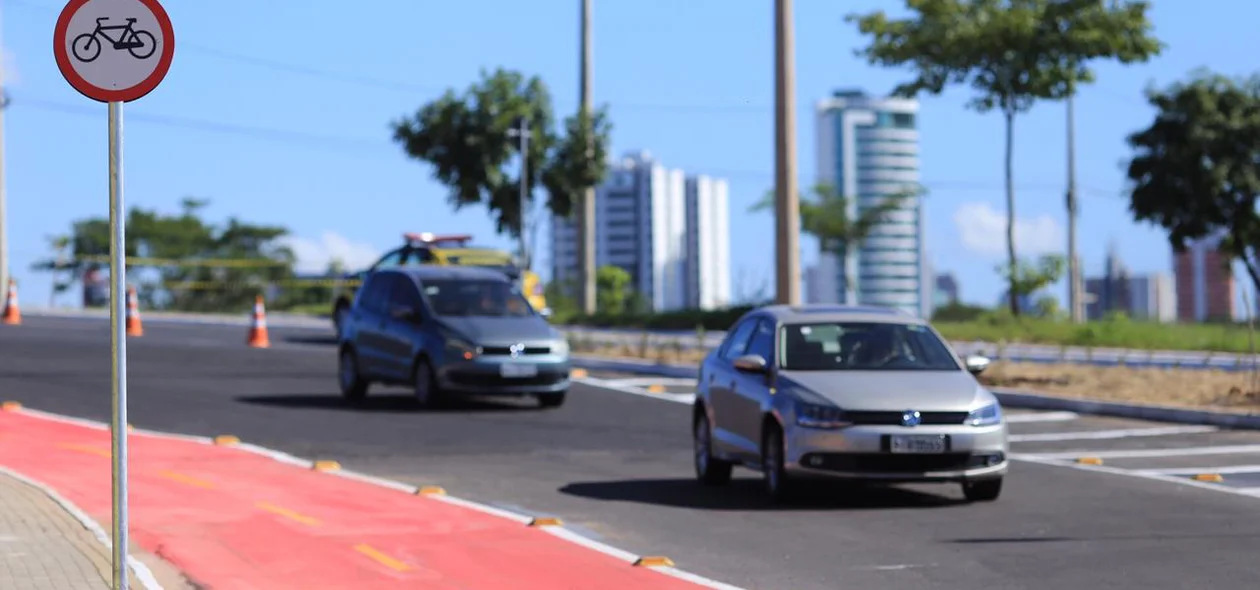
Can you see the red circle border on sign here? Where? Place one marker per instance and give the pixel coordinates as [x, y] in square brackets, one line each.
[102, 94]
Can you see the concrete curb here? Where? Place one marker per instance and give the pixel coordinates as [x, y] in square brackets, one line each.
[1008, 397]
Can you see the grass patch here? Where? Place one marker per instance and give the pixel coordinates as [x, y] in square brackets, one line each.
[1117, 332]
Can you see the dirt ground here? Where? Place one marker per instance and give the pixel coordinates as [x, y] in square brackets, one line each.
[1235, 391]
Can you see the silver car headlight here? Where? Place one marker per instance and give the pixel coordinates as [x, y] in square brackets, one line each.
[810, 415]
[986, 416]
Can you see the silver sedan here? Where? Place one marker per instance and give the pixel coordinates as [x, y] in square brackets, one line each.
[866, 393]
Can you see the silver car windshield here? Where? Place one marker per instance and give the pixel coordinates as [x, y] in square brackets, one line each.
[859, 346]
[475, 298]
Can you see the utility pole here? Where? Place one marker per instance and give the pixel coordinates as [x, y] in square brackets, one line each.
[521, 132]
[586, 225]
[787, 199]
[1075, 299]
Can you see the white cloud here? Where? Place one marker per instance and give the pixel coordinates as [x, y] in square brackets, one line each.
[982, 230]
[313, 256]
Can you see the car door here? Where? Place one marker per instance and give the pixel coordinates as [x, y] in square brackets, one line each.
[369, 319]
[400, 335]
[750, 392]
[722, 381]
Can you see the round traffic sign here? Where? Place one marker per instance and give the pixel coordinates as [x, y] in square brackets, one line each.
[114, 50]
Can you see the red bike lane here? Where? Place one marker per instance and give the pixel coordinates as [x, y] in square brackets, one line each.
[233, 519]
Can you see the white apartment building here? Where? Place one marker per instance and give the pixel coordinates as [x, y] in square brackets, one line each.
[868, 149]
[669, 232]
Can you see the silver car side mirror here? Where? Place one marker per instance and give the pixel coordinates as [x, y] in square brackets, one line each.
[976, 364]
[750, 363]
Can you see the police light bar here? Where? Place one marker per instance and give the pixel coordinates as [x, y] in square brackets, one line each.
[430, 238]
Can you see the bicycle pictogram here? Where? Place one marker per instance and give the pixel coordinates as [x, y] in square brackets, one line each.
[140, 43]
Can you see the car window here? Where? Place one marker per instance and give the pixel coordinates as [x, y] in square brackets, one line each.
[366, 291]
[475, 297]
[390, 260]
[857, 346]
[737, 342]
[377, 300]
[404, 293]
[762, 342]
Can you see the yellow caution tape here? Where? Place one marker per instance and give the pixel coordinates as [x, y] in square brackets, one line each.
[224, 285]
[211, 262]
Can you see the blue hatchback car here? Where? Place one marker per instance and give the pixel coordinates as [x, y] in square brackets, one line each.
[446, 331]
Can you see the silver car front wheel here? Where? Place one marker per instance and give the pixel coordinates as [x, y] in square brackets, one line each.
[709, 469]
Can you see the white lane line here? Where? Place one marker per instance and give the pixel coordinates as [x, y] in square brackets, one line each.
[1110, 434]
[681, 398]
[1140, 453]
[640, 381]
[1226, 470]
[1185, 481]
[1022, 418]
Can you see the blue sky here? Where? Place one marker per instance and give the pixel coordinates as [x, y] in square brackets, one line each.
[278, 112]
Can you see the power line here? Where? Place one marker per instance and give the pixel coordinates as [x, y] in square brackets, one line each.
[740, 106]
[361, 145]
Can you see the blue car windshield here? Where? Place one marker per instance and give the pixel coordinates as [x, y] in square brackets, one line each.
[475, 298]
[863, 346]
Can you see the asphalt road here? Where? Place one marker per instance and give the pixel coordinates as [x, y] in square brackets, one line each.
[615, 464]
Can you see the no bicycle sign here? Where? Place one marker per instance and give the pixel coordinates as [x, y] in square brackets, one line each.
[114, 50]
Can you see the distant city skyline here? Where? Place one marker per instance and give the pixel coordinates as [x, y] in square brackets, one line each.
[667, 230]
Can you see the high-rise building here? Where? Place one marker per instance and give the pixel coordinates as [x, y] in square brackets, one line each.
[708, 248]
[670, 233]
[1152, 298]
[820, 281]
[946, 289]
[1110, 292]
[1205, 281]
[868, 149]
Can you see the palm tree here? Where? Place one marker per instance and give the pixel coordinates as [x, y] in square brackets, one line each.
[825, 215]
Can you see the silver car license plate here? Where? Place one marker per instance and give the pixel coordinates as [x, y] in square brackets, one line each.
[518, 370]
[917, 443]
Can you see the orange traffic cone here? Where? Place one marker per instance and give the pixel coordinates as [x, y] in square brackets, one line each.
[11, 316]
[258, 327]
[134, 328]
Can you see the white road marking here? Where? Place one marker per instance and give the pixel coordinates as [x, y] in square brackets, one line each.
[641, 381]
[1185, 481]
[1110, 434]
[1025, 417]
[1140, 453]
[1226, 470]
[681, 398]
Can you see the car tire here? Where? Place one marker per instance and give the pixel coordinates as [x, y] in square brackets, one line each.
[983, 490]
[779, 485]
[424, 385]
[710, 470]
[353, 385]
[551, 400]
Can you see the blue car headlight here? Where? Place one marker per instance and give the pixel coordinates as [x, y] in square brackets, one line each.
[986, 416]
[460, 348]
[810, 415]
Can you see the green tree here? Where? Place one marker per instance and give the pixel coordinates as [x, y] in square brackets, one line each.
[1030, 277]
[612, 285]
[181, 258]
[826, 215]
[467, 139]
[1194, 169]
[1011, 53]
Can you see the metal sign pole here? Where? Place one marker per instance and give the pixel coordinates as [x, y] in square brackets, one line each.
[118, 340]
